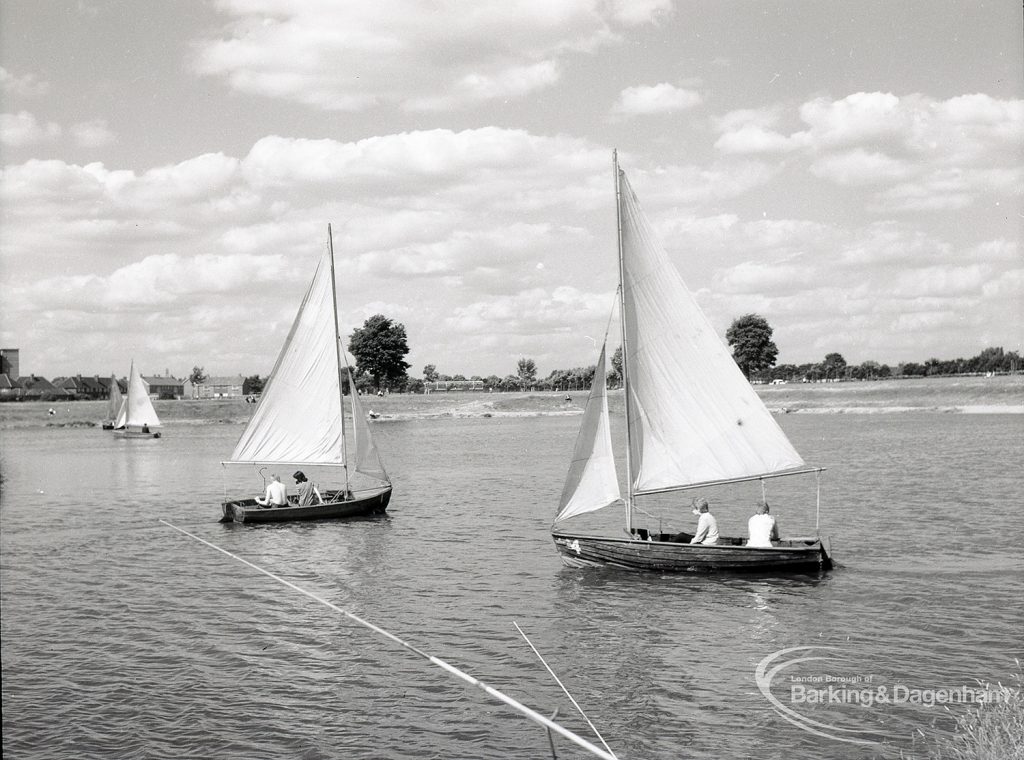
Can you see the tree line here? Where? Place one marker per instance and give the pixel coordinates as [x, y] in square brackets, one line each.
[380, 346]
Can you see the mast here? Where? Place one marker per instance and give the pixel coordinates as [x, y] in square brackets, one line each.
[337, 354]
[625, 352]
[128, 395]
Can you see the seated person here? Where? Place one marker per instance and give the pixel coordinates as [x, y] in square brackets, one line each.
[707, 525]
[308, 493]
[276, 495]
[762, 526]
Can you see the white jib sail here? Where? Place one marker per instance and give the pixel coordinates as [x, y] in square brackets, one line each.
[298, 419]
[138, 408]
[592, 482]
[368, 460]
[694, 417]
[115, 401]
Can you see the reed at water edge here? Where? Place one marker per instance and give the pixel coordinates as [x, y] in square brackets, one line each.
[988, 730]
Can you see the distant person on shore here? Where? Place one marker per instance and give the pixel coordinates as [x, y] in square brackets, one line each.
[308, 493]
[276, 495]
[762, 526]
[145, 427]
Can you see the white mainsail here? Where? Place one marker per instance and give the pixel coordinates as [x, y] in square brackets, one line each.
[592, 482]
[368, 461]
[693, 416]
[115, 400]
[136, 408]
[299, 416]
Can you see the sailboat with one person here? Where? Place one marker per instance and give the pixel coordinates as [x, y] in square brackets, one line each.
[299, 423]
[136, 418]
[693, 421]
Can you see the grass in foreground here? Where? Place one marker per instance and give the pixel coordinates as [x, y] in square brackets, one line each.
[991, 730]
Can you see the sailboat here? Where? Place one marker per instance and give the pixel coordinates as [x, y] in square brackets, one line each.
[300, 421]
[113, 404]
[692, 422]
[136, 417]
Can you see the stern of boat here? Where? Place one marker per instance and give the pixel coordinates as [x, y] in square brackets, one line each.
[826, 552]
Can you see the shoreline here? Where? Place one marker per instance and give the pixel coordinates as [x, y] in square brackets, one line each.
[961, 395]
[484, 413]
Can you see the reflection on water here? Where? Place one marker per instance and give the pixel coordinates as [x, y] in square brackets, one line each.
[121, 637]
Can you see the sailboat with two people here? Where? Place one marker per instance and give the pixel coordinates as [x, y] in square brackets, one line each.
[299, 422]
[114, 400]
[692, 421]
[136, 418]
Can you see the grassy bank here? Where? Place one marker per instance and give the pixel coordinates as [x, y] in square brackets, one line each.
[966, 395]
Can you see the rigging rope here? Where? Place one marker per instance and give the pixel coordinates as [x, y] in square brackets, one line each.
[529, 713]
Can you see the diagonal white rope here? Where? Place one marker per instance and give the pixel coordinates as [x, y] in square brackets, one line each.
[575, 703]
[529, 713]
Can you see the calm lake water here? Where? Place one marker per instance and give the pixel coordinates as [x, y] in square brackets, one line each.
[123, 638]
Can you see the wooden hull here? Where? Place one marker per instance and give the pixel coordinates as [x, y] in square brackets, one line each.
[793, 555]
[135, 434]
[365, 503]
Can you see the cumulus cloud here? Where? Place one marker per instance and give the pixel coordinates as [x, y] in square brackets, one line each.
[657, 99]
[353, 56]
[20, 129]
[92, 134]
[920, 154]
[446, 229]
[26, 85]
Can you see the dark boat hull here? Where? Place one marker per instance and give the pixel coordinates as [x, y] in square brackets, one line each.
[365, 503]
[730, 555]
[122, 433]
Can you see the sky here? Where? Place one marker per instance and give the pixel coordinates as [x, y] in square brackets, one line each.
[852, 171]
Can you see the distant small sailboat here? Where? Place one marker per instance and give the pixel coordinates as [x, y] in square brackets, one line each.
[300, 421]
[114, 402]
[692, 421]
[136, 417]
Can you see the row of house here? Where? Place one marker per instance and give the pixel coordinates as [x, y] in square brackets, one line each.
[94, 387]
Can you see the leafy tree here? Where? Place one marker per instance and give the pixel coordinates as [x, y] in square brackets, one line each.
[430, 373]
[198, 376]
[785, 372]
[380, 347]
[527, 372]
[615, 376]
[834, 366]
[252, 384]
[751, 339]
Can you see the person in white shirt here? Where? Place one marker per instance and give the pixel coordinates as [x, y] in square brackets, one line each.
[276, 495]
[707, 525]
[762, 526]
